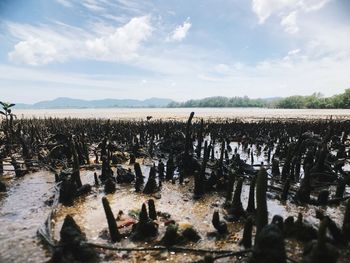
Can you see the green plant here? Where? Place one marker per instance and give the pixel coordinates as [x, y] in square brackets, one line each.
[7, 112]
[6, 109]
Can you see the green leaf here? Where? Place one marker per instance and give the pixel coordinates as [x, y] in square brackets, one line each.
[5, 105]
[3, 113]
[11, 105]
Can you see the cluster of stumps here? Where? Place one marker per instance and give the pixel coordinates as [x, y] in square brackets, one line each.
[303, 161]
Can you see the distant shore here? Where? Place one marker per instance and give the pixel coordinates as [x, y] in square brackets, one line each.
[182, 113]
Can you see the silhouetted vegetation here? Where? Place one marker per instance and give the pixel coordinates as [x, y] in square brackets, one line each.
[289, 166]
[314, 101]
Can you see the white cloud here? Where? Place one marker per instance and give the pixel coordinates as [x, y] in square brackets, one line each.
[65, 3]
[226, 69]
[132, 6]
[210, 78]
[327, 40]
[42, 45]
[287, 10]
[180, 31]
[94, 7]
[265, 8]
[281, 77]
[104, 6]
[222, 68]
[34, 51]
[312, 5]
[318, 59]
[119, 19]
[124, 42]
[292, 54]
[289, 23]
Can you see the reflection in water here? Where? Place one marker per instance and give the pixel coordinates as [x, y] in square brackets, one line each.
[178, 202]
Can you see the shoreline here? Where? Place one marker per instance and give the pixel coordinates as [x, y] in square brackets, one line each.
[183, 113]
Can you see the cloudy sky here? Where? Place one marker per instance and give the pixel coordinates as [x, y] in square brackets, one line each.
[177, 49]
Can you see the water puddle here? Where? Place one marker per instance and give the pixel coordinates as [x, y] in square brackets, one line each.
[22, 211]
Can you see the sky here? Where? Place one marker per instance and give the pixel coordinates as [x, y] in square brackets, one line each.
[178, 49]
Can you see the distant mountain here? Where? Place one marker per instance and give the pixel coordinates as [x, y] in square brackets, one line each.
[314, 101]
[63, 102]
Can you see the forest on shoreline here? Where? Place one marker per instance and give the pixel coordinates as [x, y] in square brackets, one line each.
[314, 101]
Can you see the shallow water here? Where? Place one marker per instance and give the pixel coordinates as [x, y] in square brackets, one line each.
[22, 211]
[183, 113]
[179, 203]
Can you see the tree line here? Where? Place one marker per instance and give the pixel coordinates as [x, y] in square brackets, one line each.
[314, 101]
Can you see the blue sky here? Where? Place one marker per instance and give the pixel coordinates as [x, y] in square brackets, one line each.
[94, 49]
